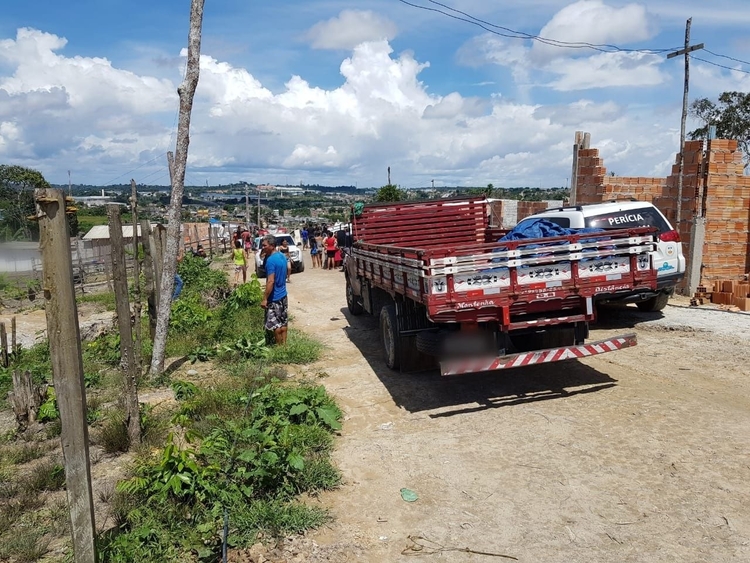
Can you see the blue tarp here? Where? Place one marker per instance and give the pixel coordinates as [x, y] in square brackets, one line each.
[541, 228]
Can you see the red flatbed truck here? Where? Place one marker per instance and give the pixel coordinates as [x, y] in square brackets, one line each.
[446, 291]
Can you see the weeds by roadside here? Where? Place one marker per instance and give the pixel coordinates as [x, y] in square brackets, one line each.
[248, 445]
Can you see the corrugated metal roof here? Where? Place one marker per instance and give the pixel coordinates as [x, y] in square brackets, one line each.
[101, 232]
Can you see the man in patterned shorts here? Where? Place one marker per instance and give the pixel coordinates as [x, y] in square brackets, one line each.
[275, 296]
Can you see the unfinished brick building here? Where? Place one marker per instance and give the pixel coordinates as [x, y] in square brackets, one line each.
[715, 192]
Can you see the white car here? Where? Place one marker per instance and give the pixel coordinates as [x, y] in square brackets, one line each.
[668, 258]
[295, 255]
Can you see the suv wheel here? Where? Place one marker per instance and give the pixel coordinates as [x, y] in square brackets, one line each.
[654, 304]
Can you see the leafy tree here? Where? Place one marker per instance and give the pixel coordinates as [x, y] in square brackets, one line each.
[731, 116]
[17, 186]
[390, 192]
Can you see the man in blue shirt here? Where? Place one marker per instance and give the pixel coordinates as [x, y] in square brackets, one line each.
[305, 236]
[275, 297]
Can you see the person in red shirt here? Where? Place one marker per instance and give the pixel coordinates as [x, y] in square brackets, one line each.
[330, 245]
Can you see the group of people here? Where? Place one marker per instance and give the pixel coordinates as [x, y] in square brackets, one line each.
[278, 268]
[330, 245]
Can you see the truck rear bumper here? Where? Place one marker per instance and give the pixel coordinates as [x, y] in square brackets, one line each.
[475, 365]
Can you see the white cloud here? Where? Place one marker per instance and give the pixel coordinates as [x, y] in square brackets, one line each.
[381, 114]
[605, 70]
[91, 84]
[349, 29]
[592, 21]
[585, 21]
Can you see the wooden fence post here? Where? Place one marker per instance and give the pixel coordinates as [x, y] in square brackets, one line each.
[136, 283]
[26, 398]
[67, 366]
[81, 271]
[4, 358]
[122, 302]
[148, 275]
[14, 342]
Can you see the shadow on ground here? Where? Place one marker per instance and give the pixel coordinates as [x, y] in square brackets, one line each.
[428, 390]
[622, 316]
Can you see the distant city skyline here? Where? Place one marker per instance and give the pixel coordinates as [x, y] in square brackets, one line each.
[334, 92]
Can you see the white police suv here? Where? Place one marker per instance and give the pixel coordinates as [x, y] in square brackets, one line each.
[668, 258]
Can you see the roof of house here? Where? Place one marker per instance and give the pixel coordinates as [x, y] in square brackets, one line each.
[101, 232]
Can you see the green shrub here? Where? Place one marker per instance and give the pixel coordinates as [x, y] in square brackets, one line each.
[188, 313]
[184, 390]
[199, 277]
[48, 409]
[104, 349]
[244, 296]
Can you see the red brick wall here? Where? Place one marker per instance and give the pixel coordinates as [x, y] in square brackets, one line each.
[527, 208]
[726, 251]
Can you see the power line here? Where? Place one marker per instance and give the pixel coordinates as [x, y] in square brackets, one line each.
[721, 66]
[727, 57]
[513, 34]
[602, 47]
[134, 169]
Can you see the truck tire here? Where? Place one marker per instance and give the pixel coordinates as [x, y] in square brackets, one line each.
[352, 301]
[654, 304]
[430, 343]
[390, 337]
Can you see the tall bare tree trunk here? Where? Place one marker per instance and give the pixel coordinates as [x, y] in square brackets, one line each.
[177, 173]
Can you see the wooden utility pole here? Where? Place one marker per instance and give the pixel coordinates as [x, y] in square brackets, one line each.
[389, 175]
[186, 92]
[67, 366]
[686, 51]
[122, 302]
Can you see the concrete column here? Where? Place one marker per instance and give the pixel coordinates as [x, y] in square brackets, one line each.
[695, 255]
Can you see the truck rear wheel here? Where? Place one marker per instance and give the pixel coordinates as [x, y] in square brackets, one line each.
[352, 301]
[390, 337]
[430, 343]
[654, 304]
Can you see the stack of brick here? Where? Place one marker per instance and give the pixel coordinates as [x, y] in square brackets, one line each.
[726, 253]
[731, 292]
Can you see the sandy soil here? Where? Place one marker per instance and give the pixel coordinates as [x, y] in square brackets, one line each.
[637, 455]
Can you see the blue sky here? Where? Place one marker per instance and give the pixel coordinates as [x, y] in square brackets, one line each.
[334, 92]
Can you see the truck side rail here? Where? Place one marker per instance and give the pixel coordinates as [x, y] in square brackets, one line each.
[529, 276]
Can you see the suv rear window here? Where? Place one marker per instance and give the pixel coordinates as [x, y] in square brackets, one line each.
[631, 218]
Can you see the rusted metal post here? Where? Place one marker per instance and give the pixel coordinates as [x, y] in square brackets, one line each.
[67, 366]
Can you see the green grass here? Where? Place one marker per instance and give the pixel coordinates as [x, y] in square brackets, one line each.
[18, 454]
[48, 475]
[299, 349]
[24, 544]
[106, 299]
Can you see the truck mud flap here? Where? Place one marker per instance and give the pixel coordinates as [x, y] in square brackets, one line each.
[475, 365]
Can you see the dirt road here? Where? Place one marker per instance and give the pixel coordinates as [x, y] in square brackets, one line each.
[637, 455]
